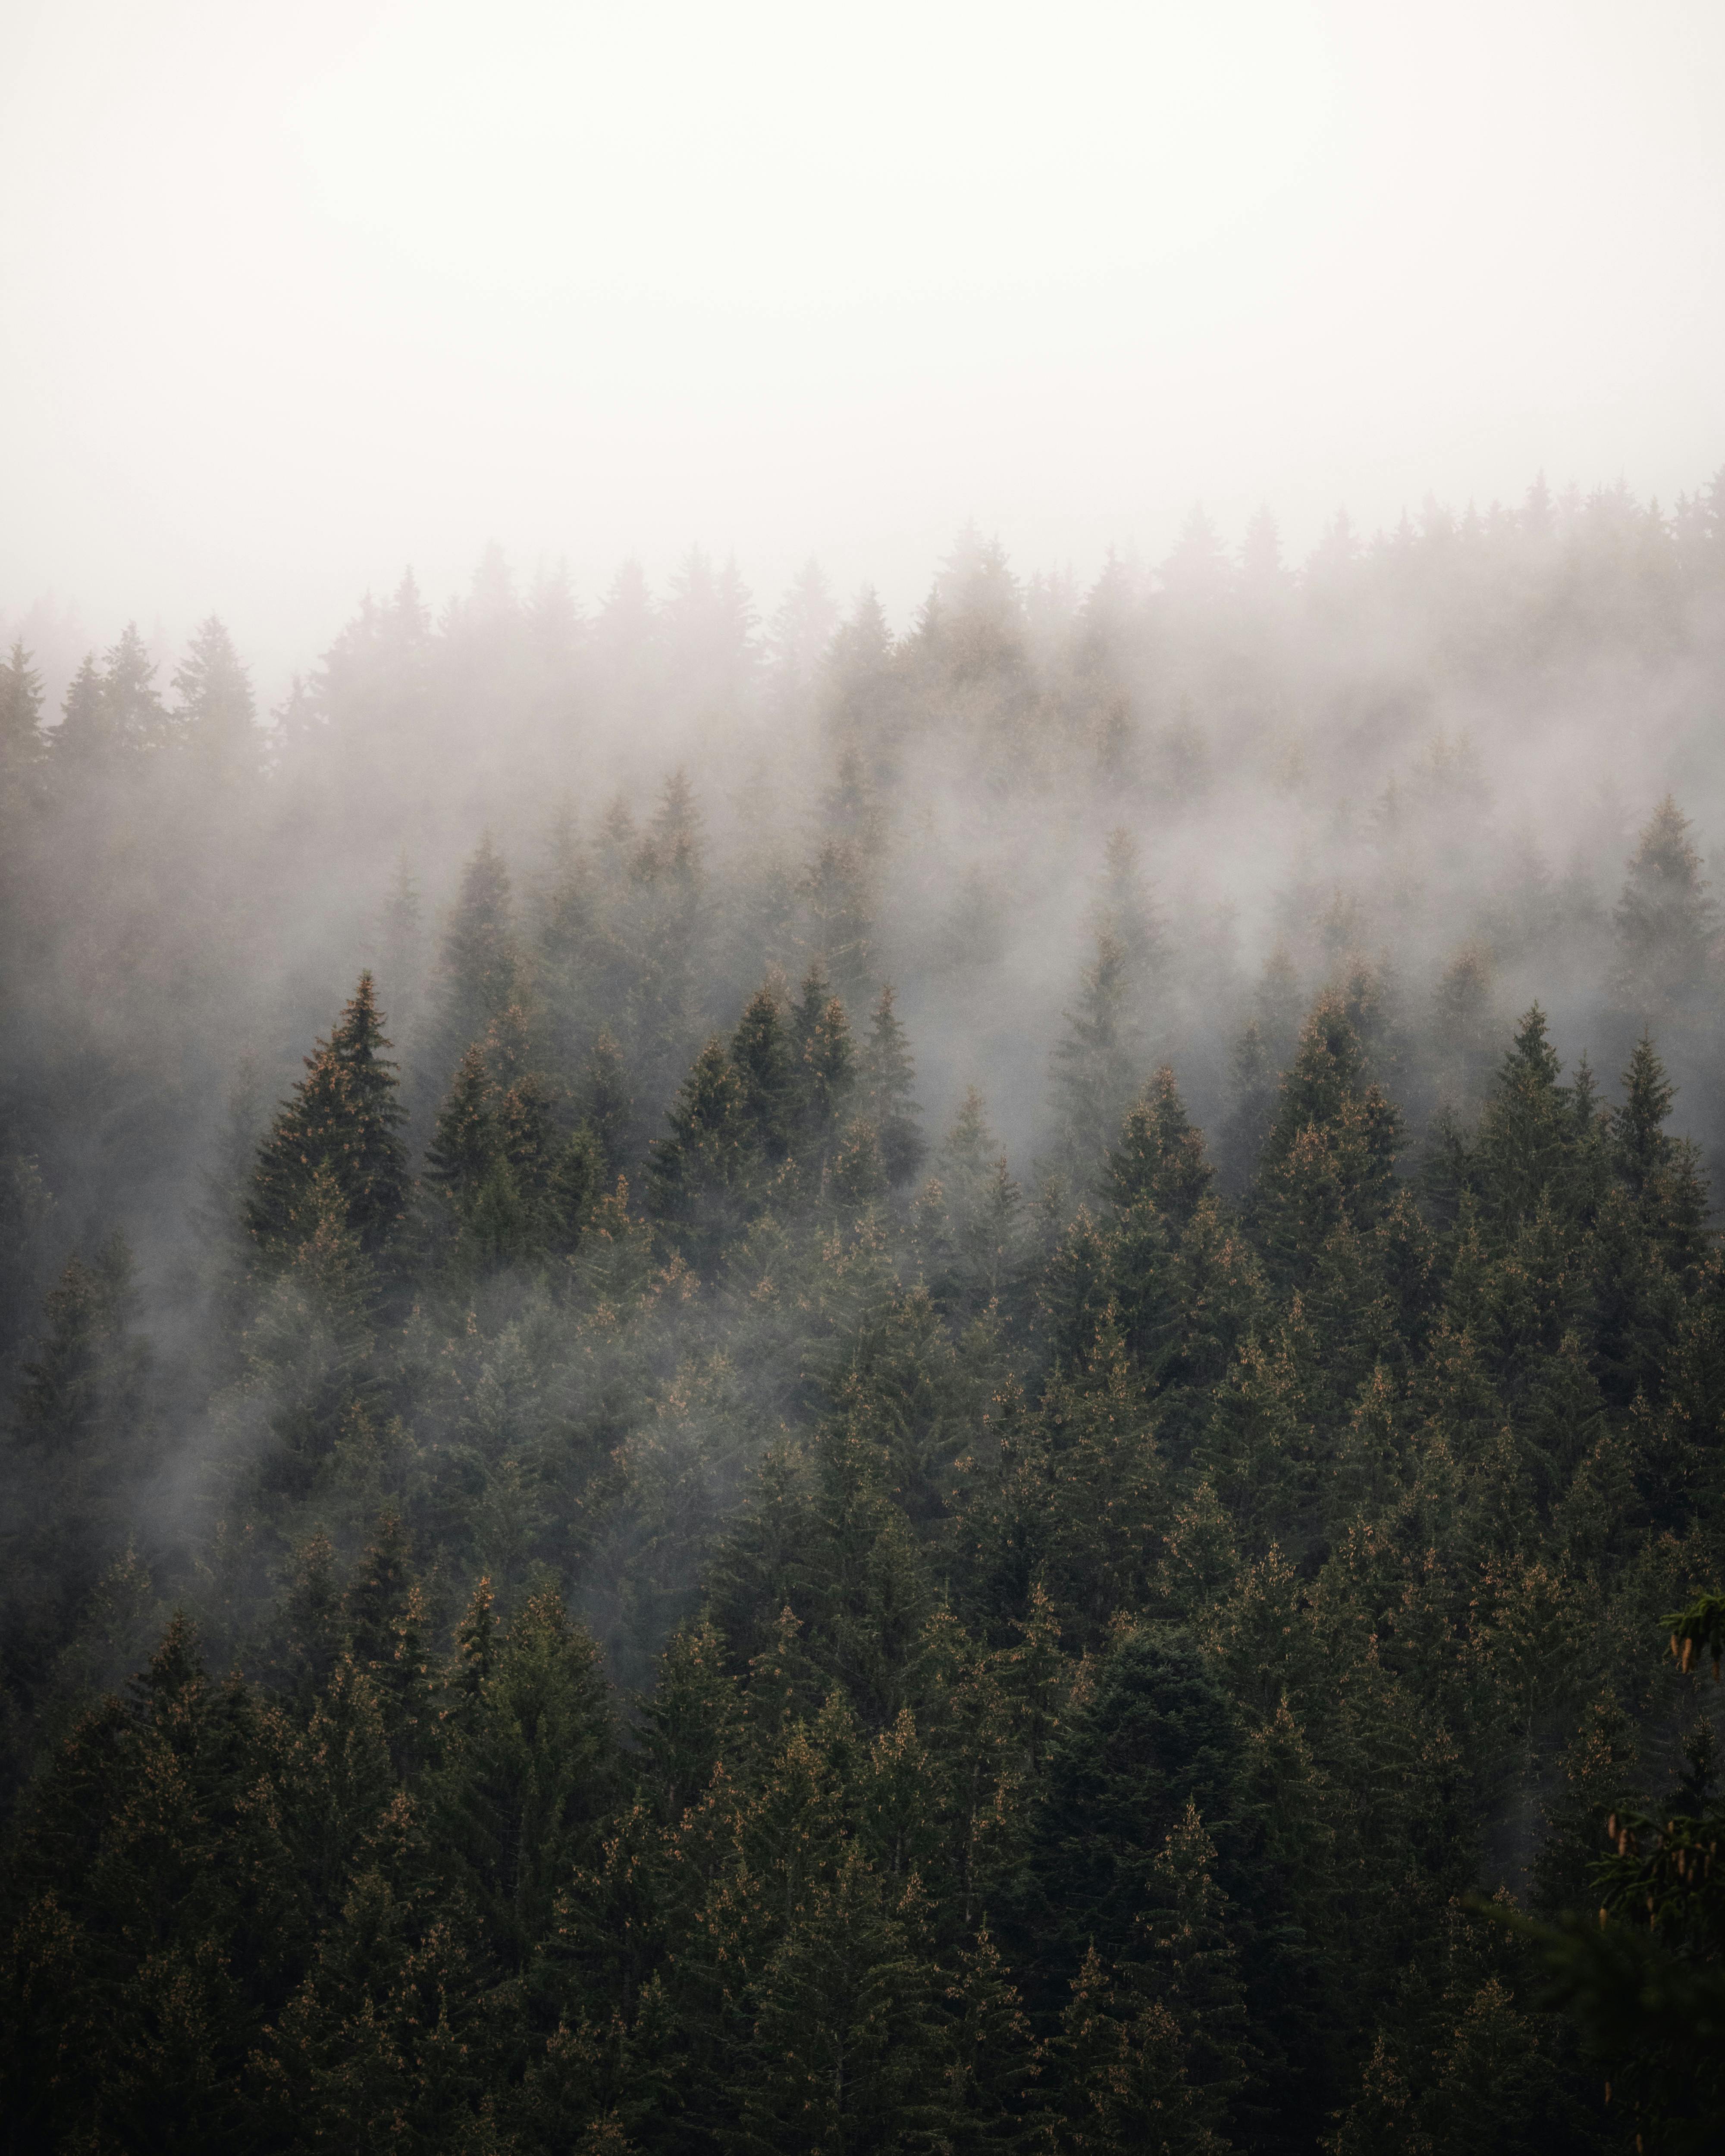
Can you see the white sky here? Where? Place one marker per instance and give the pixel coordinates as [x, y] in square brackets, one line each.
[294, 295]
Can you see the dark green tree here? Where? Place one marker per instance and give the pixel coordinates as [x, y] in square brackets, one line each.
[344, 1120]
[887, 1073]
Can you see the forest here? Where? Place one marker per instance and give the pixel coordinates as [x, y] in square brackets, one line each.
[768, 1385]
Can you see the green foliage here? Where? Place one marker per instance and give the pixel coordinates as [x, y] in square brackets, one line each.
[342, 1124]
[740, 1641]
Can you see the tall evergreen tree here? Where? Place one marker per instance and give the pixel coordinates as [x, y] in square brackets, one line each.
[1093, 1064]
[21, 743]
[217, 718]
[481, 965]
[887, 1073]
[1665, 921]
[344, 1120]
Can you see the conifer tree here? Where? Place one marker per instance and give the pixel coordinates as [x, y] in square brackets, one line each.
[834, 888]
[1661, 1173]
[1193, 1963]
[887, 1073]
[607, 1101]
[21, 744]
[533, 1772]
[825, 1069]
[570, 954]
[343, 1121]
[81, 1393]
[1327, 1165]
[130, 705]
[482, 971]
[464, 1145]
[843, 2052]
[84, 740]
[1529, 1145]
[762, 1056]
[1665, 920]
[1160, 1158]
[401, 959]
[384, 1610]
[1093, 1063]
[217, 718]
[696, 1175]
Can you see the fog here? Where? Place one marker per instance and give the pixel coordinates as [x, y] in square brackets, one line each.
[294, 299]
[870, 863]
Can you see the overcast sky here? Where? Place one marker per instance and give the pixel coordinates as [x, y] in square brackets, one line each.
[295, 295]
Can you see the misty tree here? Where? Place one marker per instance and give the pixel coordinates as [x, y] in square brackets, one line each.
[1665, 921]
[481, 964]
[85, 737]
[342, 1123]
[20, 729]
[132, 707]
[1095, 1063]
[217, 715]
[888, 1072]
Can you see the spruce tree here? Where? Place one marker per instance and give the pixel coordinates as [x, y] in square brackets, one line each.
[533, 1772]
[132, 707]
[1093, 1063]
[1160, 1158]
[606, 1100]
[695, 1176]
[481, 964]
[1665, 920]
[84, 740]
[343, 1120]
[762, 1056]
[21, 744]
[887, 1073]
[464, 1148]
[217, 718]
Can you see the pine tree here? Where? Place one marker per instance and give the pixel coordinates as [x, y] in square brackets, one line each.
[993, 2055]
[21, 744]
[1529, 1145]
[88, 1367]
[1660, 1174]
[1093, 1064]
[1121, 2074]
[343, 1120]
[825, 1070]
[1193, 1963]
[84, 740]
[463, 1149]
[1155, 1734]
[843, 2052]
[531, 1775]
[1665, 921]
[132, 707]
[696, 1175]
[482, 969]
[607, 1101]
[800, 634]
[1160, 1158]
[217, 718]
[401, 944]
[570, 954]
[1328, 1166]
[384, 1610]
[762, 1055]
[835, 889]
[887, 1073]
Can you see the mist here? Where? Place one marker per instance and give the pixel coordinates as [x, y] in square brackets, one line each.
[862, 1099]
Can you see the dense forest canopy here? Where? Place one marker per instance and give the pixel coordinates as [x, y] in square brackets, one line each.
[776, 1387]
